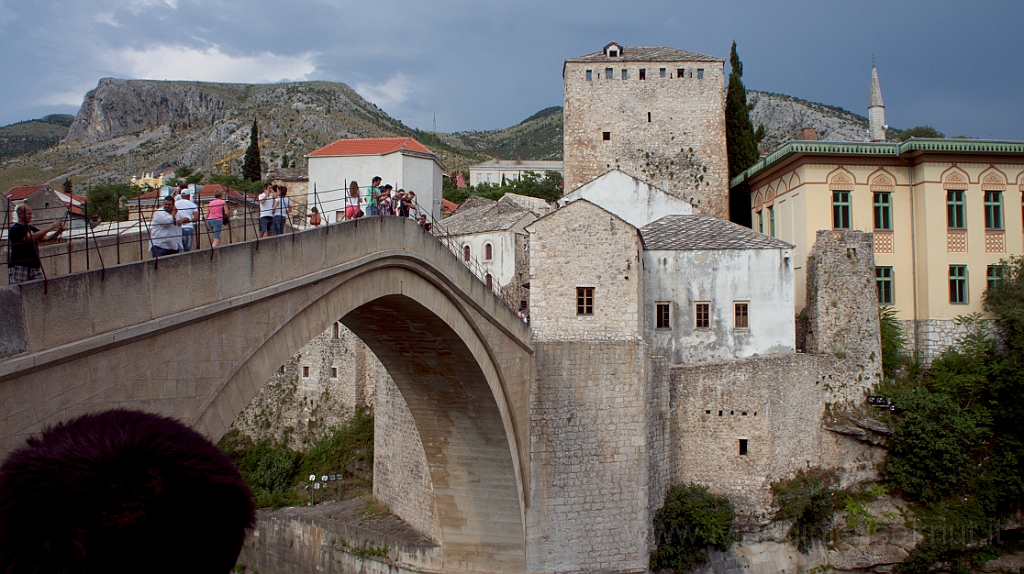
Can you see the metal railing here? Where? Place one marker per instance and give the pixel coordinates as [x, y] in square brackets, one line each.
[88, 244]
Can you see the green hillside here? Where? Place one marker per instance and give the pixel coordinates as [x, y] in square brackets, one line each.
[30, 135]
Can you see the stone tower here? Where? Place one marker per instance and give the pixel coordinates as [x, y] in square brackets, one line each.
[656, 113]
[876, 109]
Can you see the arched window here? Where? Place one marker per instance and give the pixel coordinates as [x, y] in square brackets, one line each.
[488, 252]
[465, 254]
[489, 280]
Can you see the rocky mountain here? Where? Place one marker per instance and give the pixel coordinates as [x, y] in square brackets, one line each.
[129, 127]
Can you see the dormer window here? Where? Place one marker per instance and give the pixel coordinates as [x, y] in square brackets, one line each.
[613, 50]
[613, 53]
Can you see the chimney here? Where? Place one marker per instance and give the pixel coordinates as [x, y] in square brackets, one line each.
[808, 134]
[519, 160]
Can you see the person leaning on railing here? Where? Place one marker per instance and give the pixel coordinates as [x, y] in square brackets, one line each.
[23, 256]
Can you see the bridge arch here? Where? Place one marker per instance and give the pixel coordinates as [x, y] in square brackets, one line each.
[458, 356]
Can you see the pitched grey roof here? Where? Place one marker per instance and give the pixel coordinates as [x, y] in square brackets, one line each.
[481, 216]
[648, 54]
[693, 232]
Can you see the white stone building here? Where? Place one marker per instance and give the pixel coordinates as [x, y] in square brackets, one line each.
[403, 162]
[635, 201]
[715, 291]
[491, 236]
[497, 170]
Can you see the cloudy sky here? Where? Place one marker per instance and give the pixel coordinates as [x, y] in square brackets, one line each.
[485, 64]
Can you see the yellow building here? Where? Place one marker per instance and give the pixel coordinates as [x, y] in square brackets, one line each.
[944, 212]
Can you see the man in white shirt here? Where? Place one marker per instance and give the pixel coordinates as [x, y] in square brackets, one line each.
[165, 231]
[187, 216]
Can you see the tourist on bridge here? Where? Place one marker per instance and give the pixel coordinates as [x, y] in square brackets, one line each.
[314, 217]
[352, 210]
[216, 216]
[165, 230]
[23, 255]
[267, 204]
[384, 203]
[187, 214]
[373, 196]
[282, 208]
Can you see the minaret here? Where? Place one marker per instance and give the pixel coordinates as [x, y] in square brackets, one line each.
[876, 109]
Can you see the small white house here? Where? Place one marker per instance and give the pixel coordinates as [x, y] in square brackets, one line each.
[635, 201]
[491, 236]
[496, 170]
[715, 291]
[403, 162]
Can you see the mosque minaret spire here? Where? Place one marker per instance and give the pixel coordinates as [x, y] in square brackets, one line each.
[876, 109]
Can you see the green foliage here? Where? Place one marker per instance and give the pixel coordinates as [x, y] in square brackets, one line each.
[235, 182]
[547, 187]
[364, 550]
[919, 132]
[957, 449]
[740, 139]
[68, 187]
[277, 474]
[809, 500]
[690, 520]
[31, 135]
[108, 201]
[252, 167]
[893, 341]
[188, 174]
[1006, 303]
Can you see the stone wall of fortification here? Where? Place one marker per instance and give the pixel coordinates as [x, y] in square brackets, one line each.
[667, 131]
[842, 311]
[597, 453]
[320, 387]
[401, 478]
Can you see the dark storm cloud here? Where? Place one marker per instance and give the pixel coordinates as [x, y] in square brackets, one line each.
[483, 65]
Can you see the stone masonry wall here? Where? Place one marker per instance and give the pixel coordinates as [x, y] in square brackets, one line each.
[842, 311]
[401, 478]
[681, 149]
[778, 405]
[299, 407]
[594, 455]
[933, 337]
[610, 263]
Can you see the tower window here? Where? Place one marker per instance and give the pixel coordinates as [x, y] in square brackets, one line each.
[490, 281]
[488, 252]
[883, 280]
[643, 73]
[606, 136]
[700, 73]
[661, 72]
[625, 74]
[840, 210]
[743, 447]
[584, 300]
[663, 315]
[681, 73]
[465, 253]
[336, 331]
[741, 315]
[305, 372]
[958, 284]
[334, 372]
[608, 73]
[648, 117]
[883, 211]
[993, 210]
[590, 75]
[702, 315]
[995, 275]
[955, 209]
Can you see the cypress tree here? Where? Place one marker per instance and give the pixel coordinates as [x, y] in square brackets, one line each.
[252, 169]
[740, 140]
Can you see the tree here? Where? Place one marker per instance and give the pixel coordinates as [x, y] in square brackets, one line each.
[68, 186]
[108, 201]
[188, 174]
[740, 140]
[1005, 301]
[252, 169]
[920, 132]
[691, 520]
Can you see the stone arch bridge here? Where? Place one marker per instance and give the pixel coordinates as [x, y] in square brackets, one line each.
[195, 337]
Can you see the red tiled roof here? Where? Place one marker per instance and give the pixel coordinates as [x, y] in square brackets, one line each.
[371, 146]
[448, 206]
[21, 192]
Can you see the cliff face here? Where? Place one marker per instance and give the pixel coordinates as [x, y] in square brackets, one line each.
[784, 116]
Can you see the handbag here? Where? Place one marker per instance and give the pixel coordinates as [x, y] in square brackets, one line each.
[226, 218]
